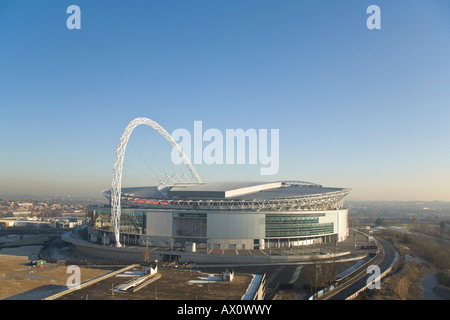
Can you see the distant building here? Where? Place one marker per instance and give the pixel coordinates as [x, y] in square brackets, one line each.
[22, 205]
[65, 223]
[18, 213]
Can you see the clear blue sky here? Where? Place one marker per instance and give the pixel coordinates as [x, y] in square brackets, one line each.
[358, 108]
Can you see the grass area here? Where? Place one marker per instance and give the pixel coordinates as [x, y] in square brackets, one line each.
[401, 285]
[404, 281]
[20, 281]
[431, 250]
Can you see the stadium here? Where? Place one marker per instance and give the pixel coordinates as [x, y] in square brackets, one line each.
[225, 215]
[197, 216]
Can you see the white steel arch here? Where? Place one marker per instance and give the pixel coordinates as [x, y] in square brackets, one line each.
[118, 168]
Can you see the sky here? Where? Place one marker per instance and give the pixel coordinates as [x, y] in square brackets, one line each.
[358, 108]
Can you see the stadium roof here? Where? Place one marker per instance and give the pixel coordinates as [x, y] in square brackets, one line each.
[286, 195]
[233, 190]
[220, 189]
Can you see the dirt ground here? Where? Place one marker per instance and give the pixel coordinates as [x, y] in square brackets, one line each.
[173, 284]
[19, 281]
[416, 280]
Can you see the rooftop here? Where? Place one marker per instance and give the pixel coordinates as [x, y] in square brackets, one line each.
[233, 190]
[237, 195]
[226, 189]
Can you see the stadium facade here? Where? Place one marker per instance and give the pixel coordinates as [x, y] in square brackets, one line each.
[224, 215]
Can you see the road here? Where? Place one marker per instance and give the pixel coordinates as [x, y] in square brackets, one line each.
[283, 276]
[384, 260]
[288, 275]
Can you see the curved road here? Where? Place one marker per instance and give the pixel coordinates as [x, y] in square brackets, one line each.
[383, 259]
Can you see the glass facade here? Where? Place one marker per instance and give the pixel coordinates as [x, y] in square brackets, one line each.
[99, 218]
[296, 225]
[231, 230]
[131, 221]
[190, 225]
